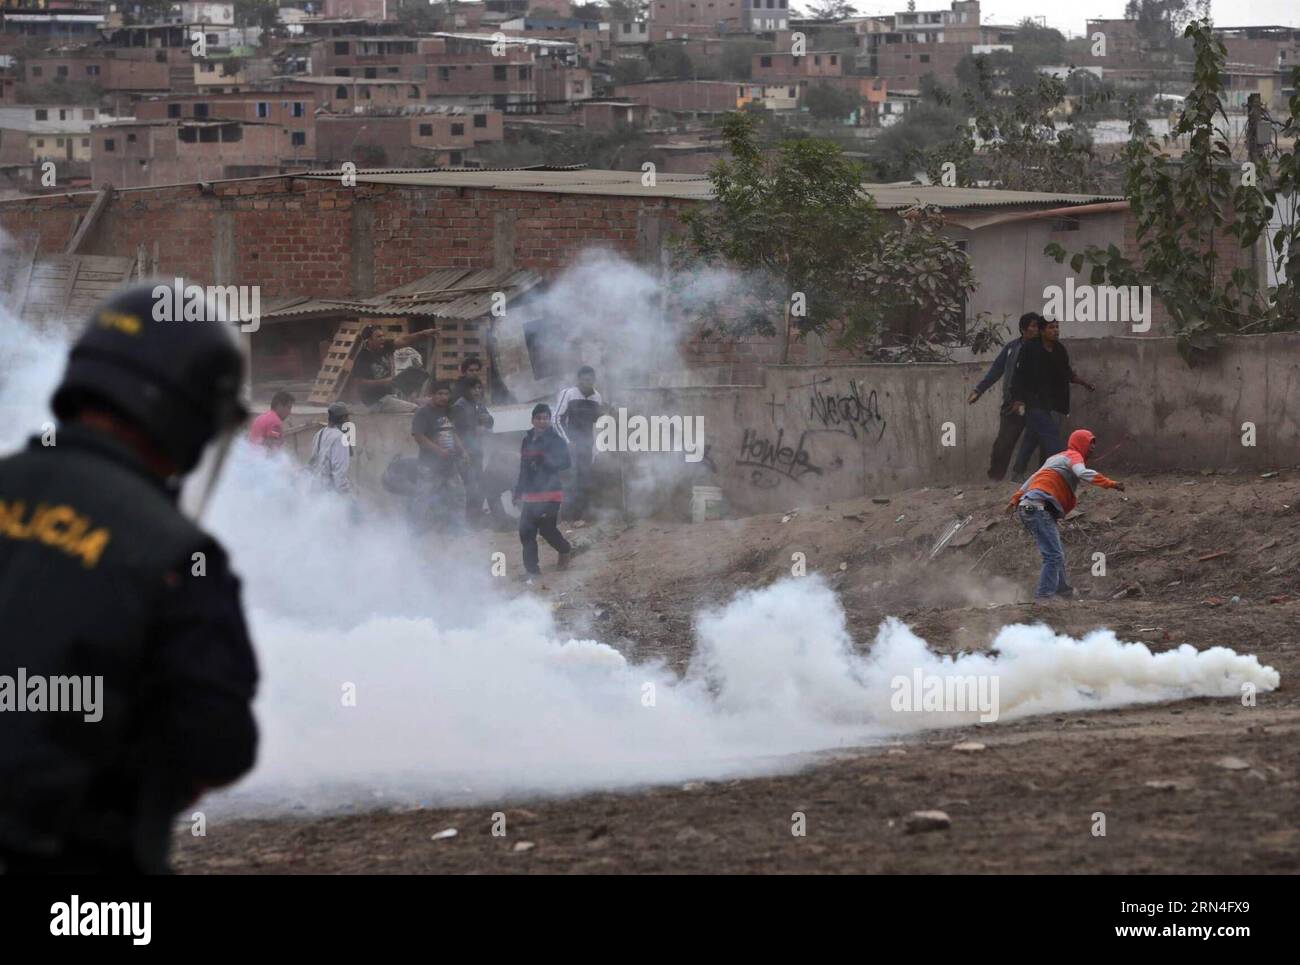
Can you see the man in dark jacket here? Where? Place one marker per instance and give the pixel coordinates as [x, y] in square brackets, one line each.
[107, 588]
[1011, 423]
[472, 419]
[1041, 388]
[442, 455]
[539, 491]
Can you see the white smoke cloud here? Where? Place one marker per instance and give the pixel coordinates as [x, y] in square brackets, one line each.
[464, 693]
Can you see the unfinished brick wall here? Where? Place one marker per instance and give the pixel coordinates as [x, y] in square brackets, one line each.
[293, 236]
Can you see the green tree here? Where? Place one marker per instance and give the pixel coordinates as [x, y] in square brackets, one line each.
[831, 10]
[670, 60]
[1014, 142]
[627, 9]
[1193, 210]
[899, 150]
[257, 13]
[819, 256]
[737, 60]
[1160, 22]
[1039, 46]
[992, 74]
[828, 103]
[631, 71]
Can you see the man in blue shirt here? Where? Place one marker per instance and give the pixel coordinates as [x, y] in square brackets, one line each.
[1011, 417]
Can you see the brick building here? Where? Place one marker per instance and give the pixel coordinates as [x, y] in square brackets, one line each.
[687, 97]
[137, 153]
[776, 67]
[431, 138]
[902, 48]
[311, 235]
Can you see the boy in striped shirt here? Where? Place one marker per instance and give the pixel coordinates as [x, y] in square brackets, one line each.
[1048, 496]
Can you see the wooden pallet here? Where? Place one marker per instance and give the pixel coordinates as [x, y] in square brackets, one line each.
[335, 371]
[458, 339]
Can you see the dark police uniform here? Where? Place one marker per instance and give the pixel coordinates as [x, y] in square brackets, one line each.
[98, 578]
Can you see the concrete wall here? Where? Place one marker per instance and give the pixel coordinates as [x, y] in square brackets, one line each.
[813, 434]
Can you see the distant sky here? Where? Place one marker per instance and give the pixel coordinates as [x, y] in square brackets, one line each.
[1069, 19]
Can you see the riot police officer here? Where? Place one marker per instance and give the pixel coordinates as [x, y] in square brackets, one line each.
[110, 595]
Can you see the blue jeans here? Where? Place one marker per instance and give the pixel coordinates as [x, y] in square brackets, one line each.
[1042, 525]
[1043, 429]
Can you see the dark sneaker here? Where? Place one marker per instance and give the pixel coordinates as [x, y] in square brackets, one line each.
[564, 561]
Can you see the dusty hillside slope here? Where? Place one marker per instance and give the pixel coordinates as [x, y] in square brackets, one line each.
[1194, 786]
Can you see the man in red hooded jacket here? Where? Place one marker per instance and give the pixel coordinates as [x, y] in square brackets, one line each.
[1048, 496]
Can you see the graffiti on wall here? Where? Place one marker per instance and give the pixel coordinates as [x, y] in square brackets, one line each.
[848, 412]
[773, 459]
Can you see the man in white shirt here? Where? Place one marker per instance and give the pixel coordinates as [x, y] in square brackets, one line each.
[576, 412]
[331, 453]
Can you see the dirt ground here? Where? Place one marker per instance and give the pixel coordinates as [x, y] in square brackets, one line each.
[1206, 559]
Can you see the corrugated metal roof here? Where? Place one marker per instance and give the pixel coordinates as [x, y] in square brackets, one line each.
[697, 187]
[450, 293]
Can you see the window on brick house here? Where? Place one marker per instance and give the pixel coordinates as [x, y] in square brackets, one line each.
[765, 61]
[40, 142]
[200, 110]
[298, 138]
[340, 46]
[130, 139]
[342, 72]
[209, 135]
[63, 71]
[925, 58]
[109, 144]
[160, 57]
[371, 73]
[263, 109]
[173, 110]
[189, 135]
[458, 130]
[299, 109]
[59, 142]
[92, 70]
[525, 73]
[834, 59]
[341, 92]
[444, 73]
[498, 73]
[426, 130]
[36, 72]
[480, 120]
[42, 114]
[457, 159]
[413, 92]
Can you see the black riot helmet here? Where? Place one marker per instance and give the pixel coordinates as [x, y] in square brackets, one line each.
[178, 381]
